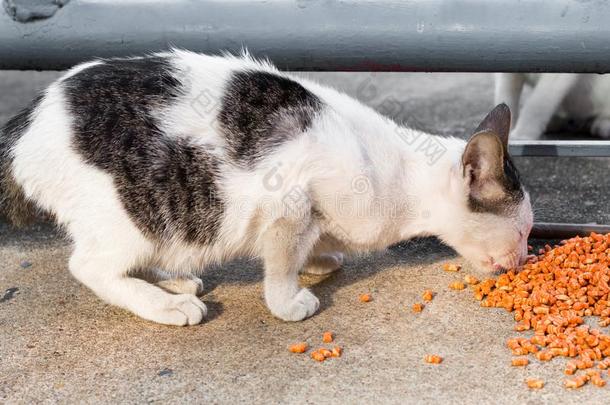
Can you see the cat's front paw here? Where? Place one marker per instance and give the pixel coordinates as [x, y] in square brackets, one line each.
[192, 285]
[324, 264]
[178, 310]
[601, 127]
[303, 305]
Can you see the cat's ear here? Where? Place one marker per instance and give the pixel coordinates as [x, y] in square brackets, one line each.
[498, 122]
[484, 159]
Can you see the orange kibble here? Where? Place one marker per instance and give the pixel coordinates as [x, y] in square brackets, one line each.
[457, 285]
[573, 383]
[325, 352]
[417, 308]
[451, 267]
[317, 356]
[534, 383]
[520, 361]
[433, 359]
[472, 280]
[365, 298]
[427, 295]
[327, 337]
[298, 347]
[551, 294]
[337, 351]
[544, 355]
[598, 381]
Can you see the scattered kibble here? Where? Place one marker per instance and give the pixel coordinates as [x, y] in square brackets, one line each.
[417, 308]
[451, 267]
[472, 280]
[550, 296]
[457, 285]
[597, 380]
[534, 383]
[577, 382]
[427, 295]
[337, 351]
[520, 361]
[365, 297]
[570, 368]
[433, 359]
[299, 347]
[317, 356]
[325, 352]
[327, 337]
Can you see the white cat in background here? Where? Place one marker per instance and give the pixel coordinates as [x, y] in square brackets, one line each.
[569, 95]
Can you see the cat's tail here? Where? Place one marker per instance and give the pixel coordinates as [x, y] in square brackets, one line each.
[14, 205]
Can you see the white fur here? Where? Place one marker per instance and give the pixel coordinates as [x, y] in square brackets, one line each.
[578, 96]
[371, 179]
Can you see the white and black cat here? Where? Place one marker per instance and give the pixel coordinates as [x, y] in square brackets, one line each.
[181, 160]
[569, 95]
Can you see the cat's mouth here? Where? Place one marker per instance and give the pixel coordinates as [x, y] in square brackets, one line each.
[504, 263]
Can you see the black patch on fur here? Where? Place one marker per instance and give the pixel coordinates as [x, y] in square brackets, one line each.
[511, 184]
[262, 110]
[13, 202]
[168, 186]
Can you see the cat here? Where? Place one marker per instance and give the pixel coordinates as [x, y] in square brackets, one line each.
[581, 97]
[179, 160]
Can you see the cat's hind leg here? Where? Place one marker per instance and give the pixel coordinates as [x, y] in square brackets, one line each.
[542, 104]
[104, 267]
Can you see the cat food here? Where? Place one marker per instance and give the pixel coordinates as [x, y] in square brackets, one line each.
[433, 359]
[417, 308]
[317, 356]
[337, 351]
[597, 380]
[365, 297]
[325, 352]
[577, 382]
[428, 295]
[550, 296]
[570, 368]
[451, 267]
[520, 361]
[299, 347]
[457, 285]
[472, 280]
[534, 383]
[327, 337]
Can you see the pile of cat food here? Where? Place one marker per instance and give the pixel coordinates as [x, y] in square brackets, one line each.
[551, 296]
[320, 354]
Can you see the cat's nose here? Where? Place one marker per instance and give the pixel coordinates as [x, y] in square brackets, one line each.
[498, 268]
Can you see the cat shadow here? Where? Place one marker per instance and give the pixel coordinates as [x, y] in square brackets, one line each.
[419, 251]
[415, 252]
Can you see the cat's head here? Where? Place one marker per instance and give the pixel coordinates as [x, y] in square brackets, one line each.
[495, 214]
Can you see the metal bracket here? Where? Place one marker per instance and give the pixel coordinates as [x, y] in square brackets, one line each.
[560, 148]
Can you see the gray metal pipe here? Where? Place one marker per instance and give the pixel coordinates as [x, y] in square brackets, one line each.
[328, 35]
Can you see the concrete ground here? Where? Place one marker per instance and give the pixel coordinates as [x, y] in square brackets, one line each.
[59, 343]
